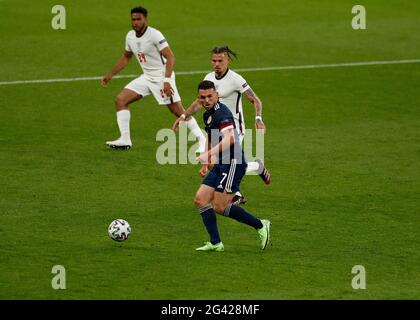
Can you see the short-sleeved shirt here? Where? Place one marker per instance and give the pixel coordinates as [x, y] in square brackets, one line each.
[216, 121]
[230, 88]
[147, 50]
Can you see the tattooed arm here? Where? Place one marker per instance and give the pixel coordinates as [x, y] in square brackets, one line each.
[253, 98]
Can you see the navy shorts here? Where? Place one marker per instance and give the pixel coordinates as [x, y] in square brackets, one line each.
[226, 177]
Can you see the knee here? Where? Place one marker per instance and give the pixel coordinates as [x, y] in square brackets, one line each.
[219, 208]
[120, 103]
[199, 201]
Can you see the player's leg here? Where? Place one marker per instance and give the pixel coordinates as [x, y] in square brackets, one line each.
[122, 101]
[177, 109]
[132, 92]
[223, 198]
[175, 106]
[222, 205]
[203, 200]
[239, 198]
[257, 166]
[252, 165]
[263, 172]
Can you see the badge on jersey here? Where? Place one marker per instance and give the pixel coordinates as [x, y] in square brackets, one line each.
[209, 120]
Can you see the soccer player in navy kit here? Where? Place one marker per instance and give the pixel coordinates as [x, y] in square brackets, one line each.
[225, 165]
[231, 87]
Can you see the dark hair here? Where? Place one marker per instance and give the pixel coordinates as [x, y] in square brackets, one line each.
[206, 84]
[139, 10]
[226, 50]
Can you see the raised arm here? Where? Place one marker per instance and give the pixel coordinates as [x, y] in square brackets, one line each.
[192, 109]
[121, 64]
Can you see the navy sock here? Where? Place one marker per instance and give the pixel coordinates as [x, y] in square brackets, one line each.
[209, 219]
[243, 216]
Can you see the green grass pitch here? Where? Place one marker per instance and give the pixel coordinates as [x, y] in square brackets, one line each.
[342, 144]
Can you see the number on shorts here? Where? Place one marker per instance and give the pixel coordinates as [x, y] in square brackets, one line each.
[224, 177]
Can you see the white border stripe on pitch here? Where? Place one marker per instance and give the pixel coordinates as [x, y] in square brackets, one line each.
[309, 66]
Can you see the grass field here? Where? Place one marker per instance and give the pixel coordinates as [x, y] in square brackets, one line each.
[342, 144]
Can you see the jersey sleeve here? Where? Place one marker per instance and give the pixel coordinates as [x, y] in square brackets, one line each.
[241, 84]
[224, 122]
[159, 40]
[127, 47]
[207, 77]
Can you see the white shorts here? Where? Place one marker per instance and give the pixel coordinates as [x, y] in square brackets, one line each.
[145, 87]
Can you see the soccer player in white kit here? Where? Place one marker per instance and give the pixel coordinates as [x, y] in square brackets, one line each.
[158, 79]
[230, 87]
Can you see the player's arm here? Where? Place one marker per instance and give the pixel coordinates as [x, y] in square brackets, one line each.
[121, 64]
[192, 109]
[253, 98]
[227, 140]
[170, 62]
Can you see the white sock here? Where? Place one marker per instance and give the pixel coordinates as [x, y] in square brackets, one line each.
[252, 166]
[123, 120]
[195, 129]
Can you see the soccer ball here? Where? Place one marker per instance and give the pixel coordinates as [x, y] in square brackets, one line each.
[119, 230]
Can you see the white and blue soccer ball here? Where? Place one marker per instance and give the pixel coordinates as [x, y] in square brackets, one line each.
[119, 230]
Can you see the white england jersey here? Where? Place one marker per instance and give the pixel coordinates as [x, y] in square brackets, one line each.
[230, 88]
[147, 51]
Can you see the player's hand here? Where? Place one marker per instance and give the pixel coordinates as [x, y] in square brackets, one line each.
[204, 169]
[105, 79]
[167, 89]
[177, 123]
[259, 125]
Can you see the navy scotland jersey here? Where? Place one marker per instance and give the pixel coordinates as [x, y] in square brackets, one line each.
[226, 175]
[216, 120]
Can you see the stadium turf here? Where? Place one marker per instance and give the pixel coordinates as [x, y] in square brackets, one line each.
[342, 146]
